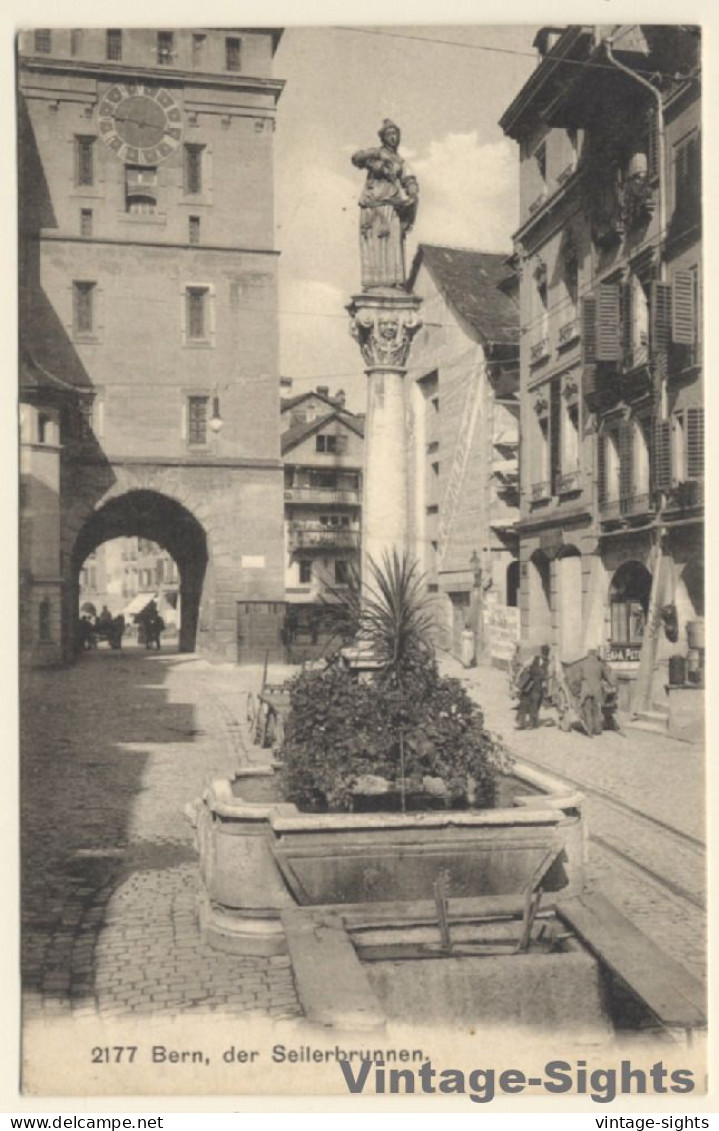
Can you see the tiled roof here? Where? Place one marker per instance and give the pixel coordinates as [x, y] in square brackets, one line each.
[471, 283]
[290, 402]
[298, 432]
[32, 375]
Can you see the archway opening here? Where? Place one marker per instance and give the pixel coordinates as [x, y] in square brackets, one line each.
[162, 521]
[569, 599]
[540, 601]
[629, 595]
[124, 577]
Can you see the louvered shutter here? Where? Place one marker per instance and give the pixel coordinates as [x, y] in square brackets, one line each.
[589, 330]
[626, 444]
[695, 443]
[683, 312]
[589, 380]
[627, 312]
[661, 316]
[662, 455]
[555, 448]
[609, 342]
[602, 469]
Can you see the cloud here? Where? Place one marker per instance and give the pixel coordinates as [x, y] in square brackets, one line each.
[468, 192]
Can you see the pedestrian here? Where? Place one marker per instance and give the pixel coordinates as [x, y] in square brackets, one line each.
[532, 689]
[596, 689]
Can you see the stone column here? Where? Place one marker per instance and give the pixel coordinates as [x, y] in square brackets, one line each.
[384, 322]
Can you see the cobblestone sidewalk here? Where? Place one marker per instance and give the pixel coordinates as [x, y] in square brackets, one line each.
[114, 748]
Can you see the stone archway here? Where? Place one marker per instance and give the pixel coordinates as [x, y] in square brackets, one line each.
[150, 514]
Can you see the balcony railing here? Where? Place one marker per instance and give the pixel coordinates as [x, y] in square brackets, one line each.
[324, 537]
[569, 481]
[626, 506]
[537, 203]
[323, 495]
[566, 172]
[568, 332]
[539, 350]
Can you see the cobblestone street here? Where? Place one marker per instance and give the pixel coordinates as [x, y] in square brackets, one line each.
[114, 749]
[116, 746]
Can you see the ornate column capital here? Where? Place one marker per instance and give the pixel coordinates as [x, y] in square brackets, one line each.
[383, 326]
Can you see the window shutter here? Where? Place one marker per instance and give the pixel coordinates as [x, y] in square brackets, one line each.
[589, 329]
[683, 313]
[627, 313]
[661, 316]
[662, 455]
[555, 409]
[626, 437]
[695, 443]
[589, 380]
[609, 342]
[602, 468]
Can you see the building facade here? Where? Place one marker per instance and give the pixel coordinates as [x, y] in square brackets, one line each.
[609, 249]
[322, 449]
[464, 426]
[148, 285]
[126, 574]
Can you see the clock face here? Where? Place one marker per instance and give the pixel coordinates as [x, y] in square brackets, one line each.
[141, 124]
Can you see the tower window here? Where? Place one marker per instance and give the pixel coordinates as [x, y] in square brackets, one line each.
[193, 169]
[43, 41]
[197, 421]
[86, 221]
[232, 54]
[165, 47]
[140, 190]
[113, 44]
[75, 41]
[194, 229]
[83, 307]
[85, 160]
[197, 313]
[198, 49]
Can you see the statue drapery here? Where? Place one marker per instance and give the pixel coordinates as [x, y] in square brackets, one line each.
[388, 207]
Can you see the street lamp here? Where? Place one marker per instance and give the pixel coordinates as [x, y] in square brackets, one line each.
[215, 419]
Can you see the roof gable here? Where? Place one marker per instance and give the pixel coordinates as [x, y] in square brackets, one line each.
[299, 432]
[471, 282]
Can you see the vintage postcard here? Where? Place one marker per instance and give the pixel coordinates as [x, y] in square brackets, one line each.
[362, 626]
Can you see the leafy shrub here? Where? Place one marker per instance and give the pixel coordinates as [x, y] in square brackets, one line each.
[407, 724]
[341, 729]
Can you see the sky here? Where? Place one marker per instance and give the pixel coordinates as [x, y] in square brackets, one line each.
[447, 99]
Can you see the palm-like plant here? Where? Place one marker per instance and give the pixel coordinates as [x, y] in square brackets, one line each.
[395, 617]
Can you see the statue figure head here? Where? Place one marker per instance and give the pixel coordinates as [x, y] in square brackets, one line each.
[389, 133]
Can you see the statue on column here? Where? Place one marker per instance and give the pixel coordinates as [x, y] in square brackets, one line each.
[388, 207]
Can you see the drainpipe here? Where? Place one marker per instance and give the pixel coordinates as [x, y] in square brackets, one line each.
[661, 145]
[642, 697]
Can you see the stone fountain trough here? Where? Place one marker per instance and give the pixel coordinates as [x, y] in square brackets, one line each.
[260, 858]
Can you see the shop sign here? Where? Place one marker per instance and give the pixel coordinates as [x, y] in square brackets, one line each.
[623, 653]
[501, 626]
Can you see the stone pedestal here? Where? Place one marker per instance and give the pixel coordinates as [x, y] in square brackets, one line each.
[384, 322]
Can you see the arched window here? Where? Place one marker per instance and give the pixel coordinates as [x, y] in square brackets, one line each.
[629, 599]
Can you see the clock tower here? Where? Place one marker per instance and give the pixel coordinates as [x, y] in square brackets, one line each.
[149, 298]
